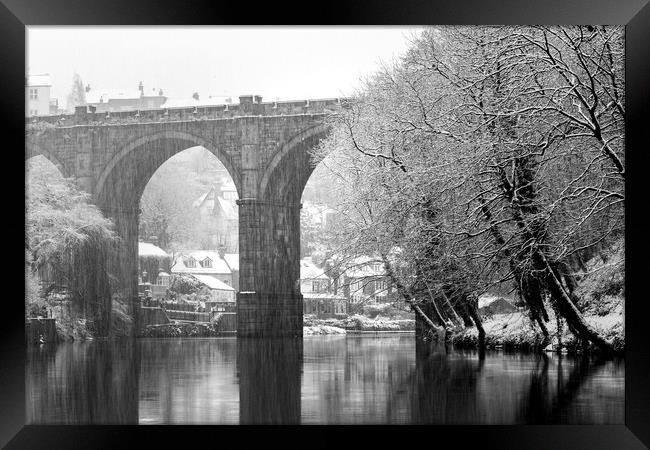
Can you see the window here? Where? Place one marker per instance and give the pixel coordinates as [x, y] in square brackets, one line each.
[190, 262]
[33, 93]
[207, 262]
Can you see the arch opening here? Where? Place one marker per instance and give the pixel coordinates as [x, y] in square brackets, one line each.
[188, 234]
[40, 163]
[322, 285]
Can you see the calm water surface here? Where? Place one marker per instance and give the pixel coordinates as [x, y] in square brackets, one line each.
[369, 379]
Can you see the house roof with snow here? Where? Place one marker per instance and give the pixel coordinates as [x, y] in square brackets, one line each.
[213, 283]
[365, 266]
[149, 250]
[199, 201]
[216, 265]
[103, 96]
[310, 271]
[42, 79]
[487, 299]
[233, 260]
[228, 208]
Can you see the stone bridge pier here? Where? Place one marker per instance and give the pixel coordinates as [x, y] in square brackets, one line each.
[269, 301]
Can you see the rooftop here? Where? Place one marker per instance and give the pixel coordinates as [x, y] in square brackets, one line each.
[42, 79]
[148, 249]
[310, 271]
[233, 260]
[213, 283]
[219, 266]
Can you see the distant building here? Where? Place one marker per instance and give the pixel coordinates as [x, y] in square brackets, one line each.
[153, 270]
[312, 278]
[489, 305]
[315, 287]
[320, 215]
[203, 262]
[364, 279]
[152, 260]
[115, 100]
[219, 207]
[37, 93]
[232, 259]
[219, 291]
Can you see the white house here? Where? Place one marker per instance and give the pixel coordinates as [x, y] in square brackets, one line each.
[37, 94]
[218, 205]
[232, 259]
[219, 291]
[312, 278]
[203, 262]
[114, 100]
[365, 279]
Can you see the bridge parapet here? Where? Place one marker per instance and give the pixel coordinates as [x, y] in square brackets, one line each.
[248, 106]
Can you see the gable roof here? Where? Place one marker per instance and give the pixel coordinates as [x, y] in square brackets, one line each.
[227, 207]
[199, 201]
[219, 266]
[310, 271]
[232, 259]
[213, 283]
[363, 266]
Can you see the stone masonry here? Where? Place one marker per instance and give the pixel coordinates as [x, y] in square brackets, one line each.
[265, 148]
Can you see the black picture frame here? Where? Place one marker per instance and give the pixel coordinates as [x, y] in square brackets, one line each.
[634, 14]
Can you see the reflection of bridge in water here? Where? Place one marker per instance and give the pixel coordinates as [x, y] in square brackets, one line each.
[265, 148]
[318, 380]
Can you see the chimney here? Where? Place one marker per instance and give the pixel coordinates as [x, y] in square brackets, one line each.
[222, 251]
[141, 89]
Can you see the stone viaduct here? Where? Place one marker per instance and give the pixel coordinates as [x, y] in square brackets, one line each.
[265, 148]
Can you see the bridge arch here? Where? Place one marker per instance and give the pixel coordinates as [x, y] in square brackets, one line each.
[180, 141]
[292, 152]
[33, 150]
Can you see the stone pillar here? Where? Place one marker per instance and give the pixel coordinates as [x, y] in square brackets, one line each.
[269, 302]
[123, 258]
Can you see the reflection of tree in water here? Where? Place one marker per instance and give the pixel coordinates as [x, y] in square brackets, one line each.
[444, 386]
[269, 380]
[546, 403]
[351, 379]
[83, 383]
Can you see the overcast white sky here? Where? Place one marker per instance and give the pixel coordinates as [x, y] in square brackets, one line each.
[275, 62]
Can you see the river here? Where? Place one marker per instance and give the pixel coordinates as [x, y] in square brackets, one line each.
[367, 379]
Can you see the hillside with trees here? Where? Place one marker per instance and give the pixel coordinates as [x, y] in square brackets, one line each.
[483, 156]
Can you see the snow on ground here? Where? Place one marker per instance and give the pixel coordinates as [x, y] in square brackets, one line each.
[322, 329]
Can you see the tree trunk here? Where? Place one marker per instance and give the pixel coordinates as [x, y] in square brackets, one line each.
[457, 318]
[408, 298]
[570, 312]
[443, 321]
[473, 312]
